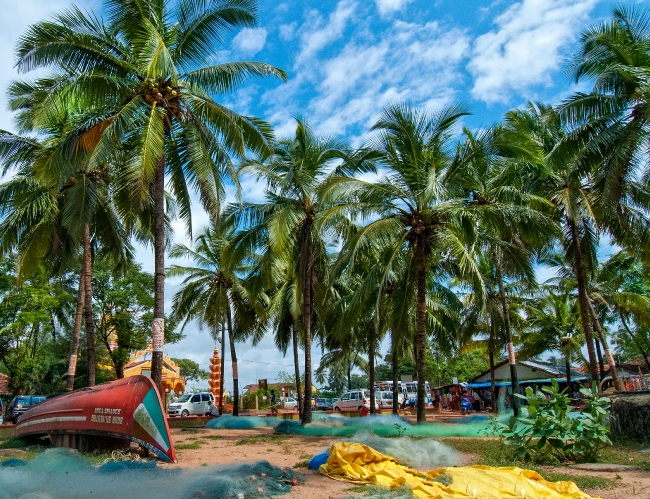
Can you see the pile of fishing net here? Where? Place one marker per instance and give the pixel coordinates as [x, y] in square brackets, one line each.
[66, 474]
[420, 453]
[358, 463]
[384, 426]
[242, 422]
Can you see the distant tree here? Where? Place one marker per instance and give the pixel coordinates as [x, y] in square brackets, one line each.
[190, 370]
[125, 303]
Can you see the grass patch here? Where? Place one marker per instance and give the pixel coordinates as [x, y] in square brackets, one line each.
[379, 492]
[193, 446]
[626, 453]
[24, 456]
[582, 481]
[356, 489]
[14, 443]
[301, 464]
[286, 448]
[306, 456]
[259, 439]
[212, 437]
[191, 430]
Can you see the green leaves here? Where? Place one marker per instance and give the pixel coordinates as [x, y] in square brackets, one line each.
[549, 430]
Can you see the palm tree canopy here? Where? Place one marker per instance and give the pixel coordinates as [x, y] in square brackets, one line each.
[145, 79]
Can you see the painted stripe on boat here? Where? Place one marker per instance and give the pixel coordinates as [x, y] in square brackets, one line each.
[56, 419]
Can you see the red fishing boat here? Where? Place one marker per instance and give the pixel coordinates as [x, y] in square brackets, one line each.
[126, 409]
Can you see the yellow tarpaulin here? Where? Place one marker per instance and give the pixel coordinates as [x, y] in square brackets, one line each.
[358, 463]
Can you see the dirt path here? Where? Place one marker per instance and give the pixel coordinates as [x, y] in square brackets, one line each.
[243, 446]
[215, 447]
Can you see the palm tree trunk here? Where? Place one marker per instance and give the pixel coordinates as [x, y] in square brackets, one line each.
[512, 360]
[395, 365]
[601, 364]
[372, 348]
[618, 384]
[76, 332]
[88, 307]
[158, 326]
[223, 367]
[233, 358]
[349, 375]
[296, 364]
[567, 366]
[421, 325]
[493, 390]
[307, 267]
[583, 299]
[634, 340]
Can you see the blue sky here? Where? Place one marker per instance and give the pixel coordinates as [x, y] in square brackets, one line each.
[346, 59]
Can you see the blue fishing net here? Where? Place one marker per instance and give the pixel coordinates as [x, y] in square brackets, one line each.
[242, 422]
[66, 474]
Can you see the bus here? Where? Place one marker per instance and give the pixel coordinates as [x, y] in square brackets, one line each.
[409, 389]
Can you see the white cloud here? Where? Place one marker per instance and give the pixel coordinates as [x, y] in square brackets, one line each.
[249, 41]
[415, 62]
[288, 31]
[386, 7]
[317, 33]
[527, 47]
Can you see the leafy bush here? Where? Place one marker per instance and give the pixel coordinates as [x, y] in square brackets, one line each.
[551, 431]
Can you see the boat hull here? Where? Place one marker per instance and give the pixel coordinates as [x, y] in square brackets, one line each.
[129, 408]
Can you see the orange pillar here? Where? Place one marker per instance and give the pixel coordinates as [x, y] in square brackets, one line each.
[215, 377]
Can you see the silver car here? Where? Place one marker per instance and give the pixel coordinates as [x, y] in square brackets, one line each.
[191, 404]
[353, 401]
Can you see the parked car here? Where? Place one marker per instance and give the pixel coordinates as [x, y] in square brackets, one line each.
[20, 404]
[323, 404]
[353, 401]
[385, 399]
[290, 404]
[191, 404]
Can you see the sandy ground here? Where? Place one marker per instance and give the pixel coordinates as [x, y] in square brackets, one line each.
[282, 451]
[244, 446]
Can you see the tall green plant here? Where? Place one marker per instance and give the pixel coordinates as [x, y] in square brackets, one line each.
[550, 430]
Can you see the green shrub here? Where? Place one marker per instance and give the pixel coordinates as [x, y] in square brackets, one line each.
[547, 431]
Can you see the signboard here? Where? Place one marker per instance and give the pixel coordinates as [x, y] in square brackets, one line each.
[405, 378]
[454, 380]
[263, 384]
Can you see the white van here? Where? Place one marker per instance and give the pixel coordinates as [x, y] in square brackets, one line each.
[191, 404]
[385, 399]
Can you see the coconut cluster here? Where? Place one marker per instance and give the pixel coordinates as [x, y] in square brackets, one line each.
[158, 91]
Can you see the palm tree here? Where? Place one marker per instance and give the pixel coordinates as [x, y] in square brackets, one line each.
[279, 278]
[144, 77]
[495, 183]
[213, 289]
[610, 121]
[298, 215]
[561, 179]
[417, 204]
[50, 218]
[554, 326]
[619, 292]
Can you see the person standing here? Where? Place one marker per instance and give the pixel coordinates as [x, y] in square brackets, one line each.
[274, 409]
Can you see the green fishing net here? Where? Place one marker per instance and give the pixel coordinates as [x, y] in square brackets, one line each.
[384, 426]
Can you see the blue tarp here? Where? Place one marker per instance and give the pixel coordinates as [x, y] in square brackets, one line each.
[547, 381]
